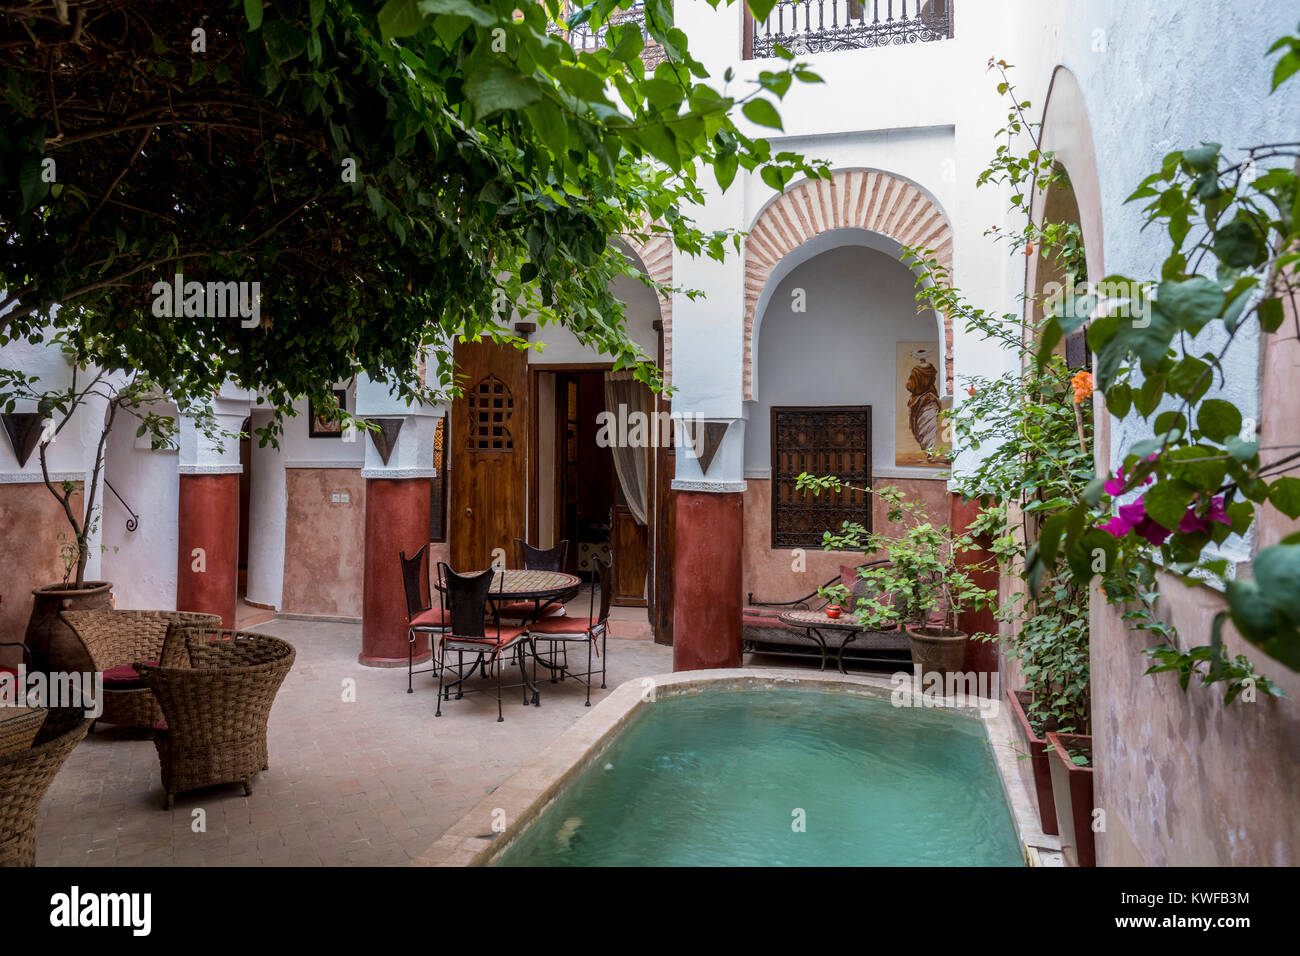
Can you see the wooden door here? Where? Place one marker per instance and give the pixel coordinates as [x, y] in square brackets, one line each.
[489, 454]
[629, 542]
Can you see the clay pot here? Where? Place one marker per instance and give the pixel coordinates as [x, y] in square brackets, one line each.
[1037, 748]
[1072, 793]
[833, 610]
[940, 650]
[53, 645]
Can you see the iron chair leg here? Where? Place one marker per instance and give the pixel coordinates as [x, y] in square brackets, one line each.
[499, 668]
[438, 710]
[591, 642]
[410, 657]
[604, 653]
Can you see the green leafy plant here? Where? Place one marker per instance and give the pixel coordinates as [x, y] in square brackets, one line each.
[90, 383]
[394, 175]
[1230, 228]
[924, 576]
[837, 595]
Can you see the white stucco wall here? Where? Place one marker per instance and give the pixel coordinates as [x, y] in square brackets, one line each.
[841, 351]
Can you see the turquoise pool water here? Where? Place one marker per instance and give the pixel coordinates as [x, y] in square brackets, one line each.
[725, 777]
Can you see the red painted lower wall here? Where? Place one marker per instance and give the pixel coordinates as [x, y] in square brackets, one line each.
[397, 520]
[207, 565]
[708, 578]
[980, 655]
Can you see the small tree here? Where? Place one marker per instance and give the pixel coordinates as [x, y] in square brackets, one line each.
[923, 574]
[130, 395]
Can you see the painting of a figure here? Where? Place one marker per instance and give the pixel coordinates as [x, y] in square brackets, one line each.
[918, 430]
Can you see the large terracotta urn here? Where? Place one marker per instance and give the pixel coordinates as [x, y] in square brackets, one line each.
[53, 645]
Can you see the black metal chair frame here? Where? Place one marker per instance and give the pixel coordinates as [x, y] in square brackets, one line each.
[415, 581]
[605, 570]
[464, 600]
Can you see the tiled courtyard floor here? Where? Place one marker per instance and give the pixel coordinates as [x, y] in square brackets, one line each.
[373, 781]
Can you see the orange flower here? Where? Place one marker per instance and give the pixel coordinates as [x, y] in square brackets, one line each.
[1082, 385]
[971, 391]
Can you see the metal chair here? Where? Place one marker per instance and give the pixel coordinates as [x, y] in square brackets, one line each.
[421, 616]
[566, 630]
[464, 604]
[537, 559]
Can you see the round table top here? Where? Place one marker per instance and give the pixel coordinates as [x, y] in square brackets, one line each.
[520, 584]
[802, 618]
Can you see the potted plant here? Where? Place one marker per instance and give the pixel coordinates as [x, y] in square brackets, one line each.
[52, 644]
[1071, 766]
[837, 598]
[922, 588]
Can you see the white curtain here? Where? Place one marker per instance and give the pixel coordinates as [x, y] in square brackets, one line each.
[627, 399]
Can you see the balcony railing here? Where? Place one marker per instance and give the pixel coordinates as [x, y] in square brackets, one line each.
[819, 26]
[584, 37]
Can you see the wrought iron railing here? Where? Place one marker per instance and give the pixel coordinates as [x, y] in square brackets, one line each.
[584, 37]
[818, 26]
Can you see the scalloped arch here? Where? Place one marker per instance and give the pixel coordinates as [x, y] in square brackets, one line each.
[863, 199]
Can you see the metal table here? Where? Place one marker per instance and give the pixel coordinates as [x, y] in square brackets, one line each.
[815, 621]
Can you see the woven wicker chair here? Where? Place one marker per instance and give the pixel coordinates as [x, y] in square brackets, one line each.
[116, 640]
[26, 775]
[216, 710]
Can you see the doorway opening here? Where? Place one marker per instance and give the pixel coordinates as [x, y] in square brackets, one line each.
[580, 496]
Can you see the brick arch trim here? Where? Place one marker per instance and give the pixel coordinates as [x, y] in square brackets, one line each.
[852, 199]
[656, 255]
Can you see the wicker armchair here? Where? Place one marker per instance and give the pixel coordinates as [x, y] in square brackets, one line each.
[26, 775]
[216, 710]
[115, 640]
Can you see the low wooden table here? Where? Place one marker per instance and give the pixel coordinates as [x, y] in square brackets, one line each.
[815, 621]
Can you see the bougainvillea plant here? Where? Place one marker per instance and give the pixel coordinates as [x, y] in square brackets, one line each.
[1229, 220]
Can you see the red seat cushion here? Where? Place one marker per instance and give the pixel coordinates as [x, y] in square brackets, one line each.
[434, 617]
[507, 635]
[8, 670]
[563, 625]
[124, 677]
[765, 617]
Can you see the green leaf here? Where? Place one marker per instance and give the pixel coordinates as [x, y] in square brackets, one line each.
[1240, 449]
[1192, 302]
[400, 18]
[1218, 419]
[1286, 68]
[763, 113]
[498, 87]
[1167, 501]
[1284, 494]
[483, 16]
[1119, 399]
[1277, 572]
[1270, 315]
[253, 12]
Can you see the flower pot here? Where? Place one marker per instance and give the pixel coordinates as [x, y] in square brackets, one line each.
[1037, 748]
[1072, 793]
[53, 645]
[940, 650]
[833, 610]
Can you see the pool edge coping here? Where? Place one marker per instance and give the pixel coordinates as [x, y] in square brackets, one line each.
[473, 839]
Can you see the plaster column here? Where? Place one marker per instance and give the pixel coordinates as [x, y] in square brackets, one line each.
[708, 562]
[207, 568]
[397, 520]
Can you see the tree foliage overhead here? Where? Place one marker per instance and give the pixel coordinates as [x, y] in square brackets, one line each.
[392, 174]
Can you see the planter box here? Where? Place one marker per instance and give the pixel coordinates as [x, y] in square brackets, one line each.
[1072, 791]
[1039, 761]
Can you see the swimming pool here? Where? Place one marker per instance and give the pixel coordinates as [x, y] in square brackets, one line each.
[775, 777]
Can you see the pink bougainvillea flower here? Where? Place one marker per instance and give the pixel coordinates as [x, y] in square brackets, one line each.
[1135, 516]
[1116, 526]
[1194, 522]
[1115, 486]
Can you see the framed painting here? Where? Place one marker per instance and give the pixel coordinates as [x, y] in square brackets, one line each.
[321, 426]
[918, 429]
